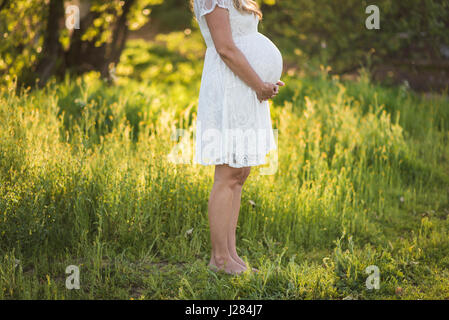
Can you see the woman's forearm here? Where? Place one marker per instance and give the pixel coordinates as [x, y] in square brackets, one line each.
[237, 62]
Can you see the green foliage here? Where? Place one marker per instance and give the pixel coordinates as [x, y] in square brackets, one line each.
[21, 37]
[309, 33]
[334, 33]
[23, 25]
[172, 58]
[101, 30]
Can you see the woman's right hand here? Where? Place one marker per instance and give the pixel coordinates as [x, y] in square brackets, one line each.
[266, 91]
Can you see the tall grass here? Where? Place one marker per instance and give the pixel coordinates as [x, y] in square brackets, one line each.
[86, 179]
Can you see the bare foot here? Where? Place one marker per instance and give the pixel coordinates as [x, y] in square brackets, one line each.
[229, 266]
[240, 261]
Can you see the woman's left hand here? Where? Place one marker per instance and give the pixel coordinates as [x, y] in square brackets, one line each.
[279, 83]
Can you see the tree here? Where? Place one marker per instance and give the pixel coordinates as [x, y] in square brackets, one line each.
[333, 32]
[39, 45]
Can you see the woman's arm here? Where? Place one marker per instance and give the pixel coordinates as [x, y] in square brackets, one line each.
[220, 29]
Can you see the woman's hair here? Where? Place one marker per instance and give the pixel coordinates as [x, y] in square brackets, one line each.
[249, 6]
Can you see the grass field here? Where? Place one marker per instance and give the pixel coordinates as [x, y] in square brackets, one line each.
[88, 177]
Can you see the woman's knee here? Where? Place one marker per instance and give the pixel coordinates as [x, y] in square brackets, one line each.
[240, 177]
[231, 177]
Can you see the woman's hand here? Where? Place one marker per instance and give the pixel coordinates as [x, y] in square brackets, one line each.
[268, 90]
[279, 83]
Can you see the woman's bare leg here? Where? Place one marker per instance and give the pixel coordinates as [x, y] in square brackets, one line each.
[220, 213]
[236, 200]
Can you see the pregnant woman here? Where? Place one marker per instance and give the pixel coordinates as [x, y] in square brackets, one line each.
[241, 72]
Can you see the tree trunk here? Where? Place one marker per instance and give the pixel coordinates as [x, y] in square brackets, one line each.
[4, 4]
[85, 56]
[82, 56]
[52, 49]
[115, 48]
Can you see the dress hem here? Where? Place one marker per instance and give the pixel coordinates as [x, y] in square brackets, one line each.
[237, 165]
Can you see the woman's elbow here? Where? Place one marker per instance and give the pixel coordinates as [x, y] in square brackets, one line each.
[226, 51]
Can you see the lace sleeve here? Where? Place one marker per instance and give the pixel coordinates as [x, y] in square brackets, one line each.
[207, 6]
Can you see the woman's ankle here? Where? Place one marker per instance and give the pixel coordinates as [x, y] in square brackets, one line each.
[220, 259]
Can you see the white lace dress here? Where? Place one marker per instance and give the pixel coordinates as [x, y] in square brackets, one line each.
[232, 126]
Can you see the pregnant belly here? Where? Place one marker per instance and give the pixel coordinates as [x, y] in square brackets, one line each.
[263, 56]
